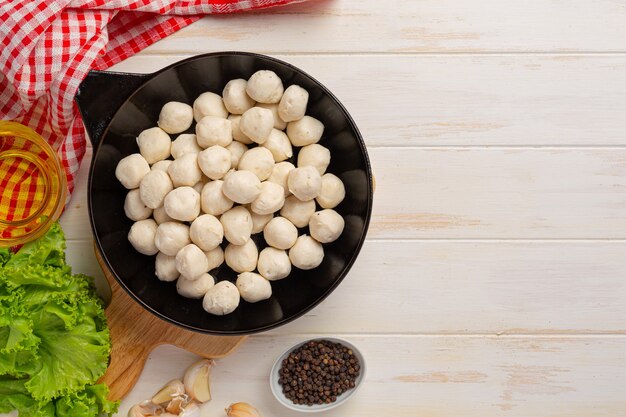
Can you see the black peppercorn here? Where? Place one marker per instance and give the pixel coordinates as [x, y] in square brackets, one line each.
[328, 368]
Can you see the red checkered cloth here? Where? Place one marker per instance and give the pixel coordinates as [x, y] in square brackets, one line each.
[48, 46]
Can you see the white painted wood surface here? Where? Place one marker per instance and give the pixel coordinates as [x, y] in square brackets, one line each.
[492, 279]
[407, 26]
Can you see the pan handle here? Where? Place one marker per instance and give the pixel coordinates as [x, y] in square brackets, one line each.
[101, 94]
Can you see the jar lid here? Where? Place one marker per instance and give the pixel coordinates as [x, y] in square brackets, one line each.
[32, 185]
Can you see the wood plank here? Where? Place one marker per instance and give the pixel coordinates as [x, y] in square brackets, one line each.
[488, 287]
[412, 26]
[462, 100]
[499, 193]
[482, 193]
[436, 376]
[75, 218]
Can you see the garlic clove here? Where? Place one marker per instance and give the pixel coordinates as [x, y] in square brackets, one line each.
[191, 410]
[177, 404]
[145, 409]
[242, 410]
[196, 380]
[137, 411]
[171, 390]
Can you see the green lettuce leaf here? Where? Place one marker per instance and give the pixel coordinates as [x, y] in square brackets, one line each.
[14, 396]
[87, 403]
[48, 250]
[71, 358]
[54, 341]
[5, 255]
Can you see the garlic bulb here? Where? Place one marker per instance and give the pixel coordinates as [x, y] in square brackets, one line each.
[171, 390]
[196, 380]
[242, 410]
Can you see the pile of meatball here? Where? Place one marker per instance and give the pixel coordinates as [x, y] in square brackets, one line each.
[228, 181]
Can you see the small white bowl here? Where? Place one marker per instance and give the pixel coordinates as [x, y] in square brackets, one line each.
[278, 391]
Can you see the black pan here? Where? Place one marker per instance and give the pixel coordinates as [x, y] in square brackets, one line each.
[116, 107]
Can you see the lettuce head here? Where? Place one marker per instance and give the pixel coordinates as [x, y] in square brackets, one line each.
[54, 340]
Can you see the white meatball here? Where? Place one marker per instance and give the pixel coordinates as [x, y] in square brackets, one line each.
[274, 264]
[297, 212]
[307, 253]
[314, 155]
[257, 124]
[215, 257]
[213, 130]
[213, 200]
[236, 100]
[293, 104]
[242, 187]
[280, 233]
[258, 160]
[279, 145]
[161, 165]
[278, 122]
[242, 258]
[305, 131]
[134, 208]
[182, 204]
[160, 216]
[175, 117]
[154, 144]
[221, 299]
[171, 237]
[253, 287]
[191, 262]
[209, 104]
[141, 236]
[270, 200]
[131, 170]
[206, 232]
[236, 149]
[165, 267]
[259, 221]
[154, 187]
[194, 288]
[237, 224]
[185, 170]
[185, 143]
[214, 162]
[238, 135]
[305, 183]
[326, 226]
[332, 192]
[280, 173]
[265, 87]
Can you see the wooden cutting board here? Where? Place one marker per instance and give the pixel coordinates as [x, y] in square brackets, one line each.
[135, 332]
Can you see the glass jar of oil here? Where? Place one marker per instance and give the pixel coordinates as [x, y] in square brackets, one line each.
[33, 186]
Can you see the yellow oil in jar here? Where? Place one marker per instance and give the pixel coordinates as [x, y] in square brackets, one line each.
[32, 185]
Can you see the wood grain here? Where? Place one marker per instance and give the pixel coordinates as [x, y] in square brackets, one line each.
[135, 332]
[436, 376]
[503, 100]
[499, 193]
[470, 26]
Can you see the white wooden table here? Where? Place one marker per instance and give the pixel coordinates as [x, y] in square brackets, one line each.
[493, 279]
